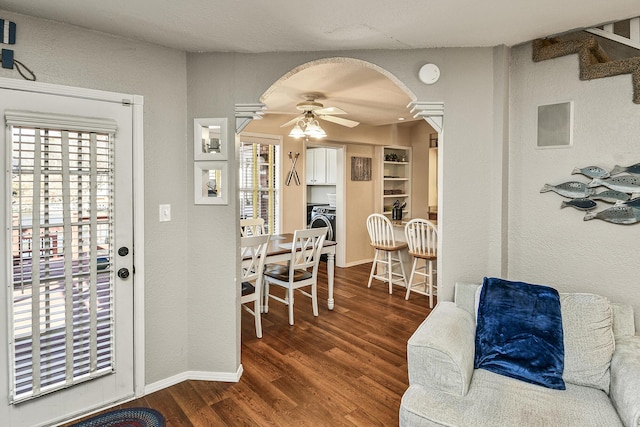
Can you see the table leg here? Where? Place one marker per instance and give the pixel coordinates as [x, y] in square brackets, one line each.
[331, 257]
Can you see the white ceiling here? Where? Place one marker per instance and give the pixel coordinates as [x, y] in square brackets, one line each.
[283, 25]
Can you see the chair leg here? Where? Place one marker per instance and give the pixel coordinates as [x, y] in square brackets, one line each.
[404, 275]
[265, 308]
[390, 272]
[413, 270]
[290, 304]
[314, 299]
[256, 313]
[373, 268]
[430, 267]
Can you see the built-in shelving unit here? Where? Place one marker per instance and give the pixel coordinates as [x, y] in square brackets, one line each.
[396, 178]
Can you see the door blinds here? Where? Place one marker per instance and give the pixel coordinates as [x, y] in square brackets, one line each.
[61, 239]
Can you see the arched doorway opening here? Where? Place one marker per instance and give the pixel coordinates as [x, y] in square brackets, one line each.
[363, 90]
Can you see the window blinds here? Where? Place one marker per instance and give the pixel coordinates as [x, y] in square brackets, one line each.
[62, 232]
[259, 180]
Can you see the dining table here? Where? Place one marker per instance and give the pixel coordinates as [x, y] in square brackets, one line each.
[279, 250]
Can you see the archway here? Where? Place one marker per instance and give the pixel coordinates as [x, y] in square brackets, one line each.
[431, 112]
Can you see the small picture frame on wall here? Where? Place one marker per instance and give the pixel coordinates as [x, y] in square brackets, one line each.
[555, 125]
[211, 183]
[209, 139]
[360, 168]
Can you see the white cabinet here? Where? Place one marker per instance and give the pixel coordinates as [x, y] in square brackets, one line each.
[321, 166]
[332, 163]
[316, 166]
[396, 179]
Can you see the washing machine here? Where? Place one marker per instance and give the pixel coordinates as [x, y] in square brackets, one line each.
[324, 216]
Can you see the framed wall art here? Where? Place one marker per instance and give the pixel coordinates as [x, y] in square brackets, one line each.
[211, 184]
[209, 139]
[360, 168]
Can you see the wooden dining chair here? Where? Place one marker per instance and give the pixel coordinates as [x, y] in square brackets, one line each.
[254, 249]
[301, 270]
[388, 252]
[422, 239]
[251, 227]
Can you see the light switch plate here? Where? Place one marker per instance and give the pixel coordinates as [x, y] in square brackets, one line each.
[165, 213]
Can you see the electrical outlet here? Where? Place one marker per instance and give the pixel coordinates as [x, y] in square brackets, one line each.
[165, 213]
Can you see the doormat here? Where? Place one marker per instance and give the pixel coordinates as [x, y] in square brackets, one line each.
[128, 417]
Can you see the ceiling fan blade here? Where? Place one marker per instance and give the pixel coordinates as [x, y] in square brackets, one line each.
[292, 121]
[340, 120]
[330, 110]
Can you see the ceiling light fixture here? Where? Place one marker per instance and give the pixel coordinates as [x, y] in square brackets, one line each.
[307, 127]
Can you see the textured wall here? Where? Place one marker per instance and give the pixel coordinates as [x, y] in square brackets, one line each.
[191, 312]
[546, 244]
[73, 56]
[218, 80]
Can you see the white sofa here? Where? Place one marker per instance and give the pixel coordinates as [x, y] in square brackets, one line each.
[601, 371]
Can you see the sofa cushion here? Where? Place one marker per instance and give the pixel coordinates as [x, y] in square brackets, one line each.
[623, 322]
[498, 401]
[465, 297]
[588, 339]
[519, 332]
[625, 380]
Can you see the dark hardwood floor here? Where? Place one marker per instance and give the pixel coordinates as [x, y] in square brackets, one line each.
[346, 367]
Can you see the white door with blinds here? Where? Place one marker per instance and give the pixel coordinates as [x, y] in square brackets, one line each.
[68, 255]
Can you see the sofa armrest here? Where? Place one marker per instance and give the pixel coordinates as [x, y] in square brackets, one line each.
[625, 380]
[440, 352]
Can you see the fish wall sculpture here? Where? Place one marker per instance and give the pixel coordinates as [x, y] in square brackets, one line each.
[633, 169]
[582, 204]
[617, 214]
[592, 172]
[571, 189]
[611, 196]
[622, 185]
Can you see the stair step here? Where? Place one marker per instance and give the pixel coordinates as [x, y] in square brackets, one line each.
[594, 61]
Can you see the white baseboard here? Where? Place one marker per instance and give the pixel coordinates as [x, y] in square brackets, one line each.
[362, 261]
[229, 377]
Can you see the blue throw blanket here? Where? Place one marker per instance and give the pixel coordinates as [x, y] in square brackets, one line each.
[519, 332]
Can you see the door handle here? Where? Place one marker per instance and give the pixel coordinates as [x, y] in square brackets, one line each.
[123, 251]
[123, 273]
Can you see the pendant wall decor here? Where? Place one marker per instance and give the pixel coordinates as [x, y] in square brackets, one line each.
[615, 192]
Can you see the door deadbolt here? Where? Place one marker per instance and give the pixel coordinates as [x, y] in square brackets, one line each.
[123, 251]
[123, 273]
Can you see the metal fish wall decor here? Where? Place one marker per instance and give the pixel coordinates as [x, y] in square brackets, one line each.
[571, 189]
[621, 189]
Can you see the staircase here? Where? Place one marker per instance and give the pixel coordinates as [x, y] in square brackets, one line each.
[595, 62]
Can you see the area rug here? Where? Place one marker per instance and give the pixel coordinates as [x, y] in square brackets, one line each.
[128, 417]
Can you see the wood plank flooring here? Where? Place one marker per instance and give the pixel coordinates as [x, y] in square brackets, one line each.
[346, 367]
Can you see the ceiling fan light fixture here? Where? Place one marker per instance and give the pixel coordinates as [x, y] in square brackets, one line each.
[297, 132]
[313, 129]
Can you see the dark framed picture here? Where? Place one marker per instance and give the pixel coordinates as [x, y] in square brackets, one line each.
[360, 168]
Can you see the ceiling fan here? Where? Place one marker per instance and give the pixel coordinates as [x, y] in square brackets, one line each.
[312, 110]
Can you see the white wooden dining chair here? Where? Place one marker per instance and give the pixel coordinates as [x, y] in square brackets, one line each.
[254, 249]
[388, 252]
[301, 270]
[422, 239]
[251, 227]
